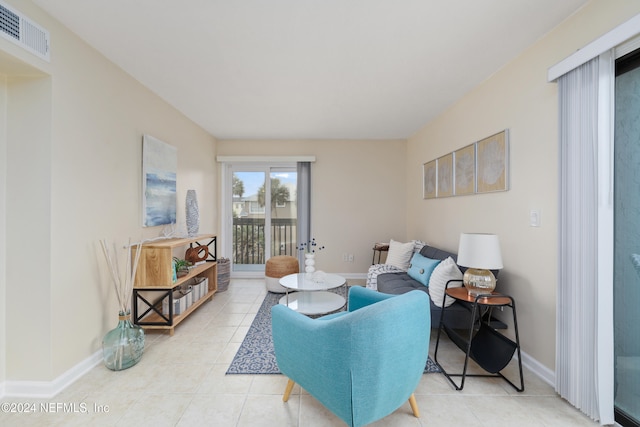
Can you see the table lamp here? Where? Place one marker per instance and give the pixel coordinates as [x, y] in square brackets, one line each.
[479, 252]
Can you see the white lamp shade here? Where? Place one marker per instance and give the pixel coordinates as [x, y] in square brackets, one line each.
[479, 250]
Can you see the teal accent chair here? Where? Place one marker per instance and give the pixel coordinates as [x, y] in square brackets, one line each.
[361, 364]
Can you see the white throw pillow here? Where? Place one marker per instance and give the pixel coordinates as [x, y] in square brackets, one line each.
[400, 254]
[445, 271]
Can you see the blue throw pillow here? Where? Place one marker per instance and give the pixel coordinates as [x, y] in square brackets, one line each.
[421, 267]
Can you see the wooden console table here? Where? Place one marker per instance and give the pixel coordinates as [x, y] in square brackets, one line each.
[154, 288]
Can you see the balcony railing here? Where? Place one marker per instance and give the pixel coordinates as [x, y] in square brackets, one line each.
[249, 239]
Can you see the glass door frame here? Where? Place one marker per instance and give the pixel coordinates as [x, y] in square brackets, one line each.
[226, 206]
[626, 414]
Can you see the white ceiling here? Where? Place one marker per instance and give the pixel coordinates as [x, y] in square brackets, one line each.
[310, 69]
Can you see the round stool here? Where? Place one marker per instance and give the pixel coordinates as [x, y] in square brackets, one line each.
[277, 267]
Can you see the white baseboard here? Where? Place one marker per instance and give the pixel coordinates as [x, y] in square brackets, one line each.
[49, 389]
[546, 374]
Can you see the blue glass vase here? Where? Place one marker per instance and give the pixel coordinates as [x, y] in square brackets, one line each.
[123, 346]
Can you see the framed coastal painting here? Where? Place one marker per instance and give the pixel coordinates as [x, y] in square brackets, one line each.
[493, 163]
[464, 161]
[445, 176]
[159, 171]
[429, 179]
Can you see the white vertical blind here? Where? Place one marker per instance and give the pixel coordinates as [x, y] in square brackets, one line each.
[584, 356]
[584, 372]
[605, 338]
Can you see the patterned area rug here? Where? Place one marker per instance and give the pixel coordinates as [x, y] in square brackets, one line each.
[256, 354]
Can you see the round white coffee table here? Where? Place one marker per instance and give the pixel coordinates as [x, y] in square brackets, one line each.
[311, 297]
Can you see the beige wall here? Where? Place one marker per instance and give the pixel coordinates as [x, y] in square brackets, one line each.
[74, 153]
[358, 194]
[519, 98]
[29, 224]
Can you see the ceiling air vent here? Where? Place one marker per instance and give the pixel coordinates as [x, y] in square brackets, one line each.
[24, 32]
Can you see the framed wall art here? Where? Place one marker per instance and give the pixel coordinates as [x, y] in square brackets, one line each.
[465, 170]
[429, 179]
[481, 167]
[493, 163]
[159, 172]
[445, 176]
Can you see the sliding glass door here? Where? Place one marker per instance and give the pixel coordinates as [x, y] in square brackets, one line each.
[248, 232]
[262, 219]
[627, 241]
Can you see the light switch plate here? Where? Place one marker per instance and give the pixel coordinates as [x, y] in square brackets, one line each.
[534, 218]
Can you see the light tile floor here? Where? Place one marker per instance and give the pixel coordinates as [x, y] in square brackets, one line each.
[181, 381]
